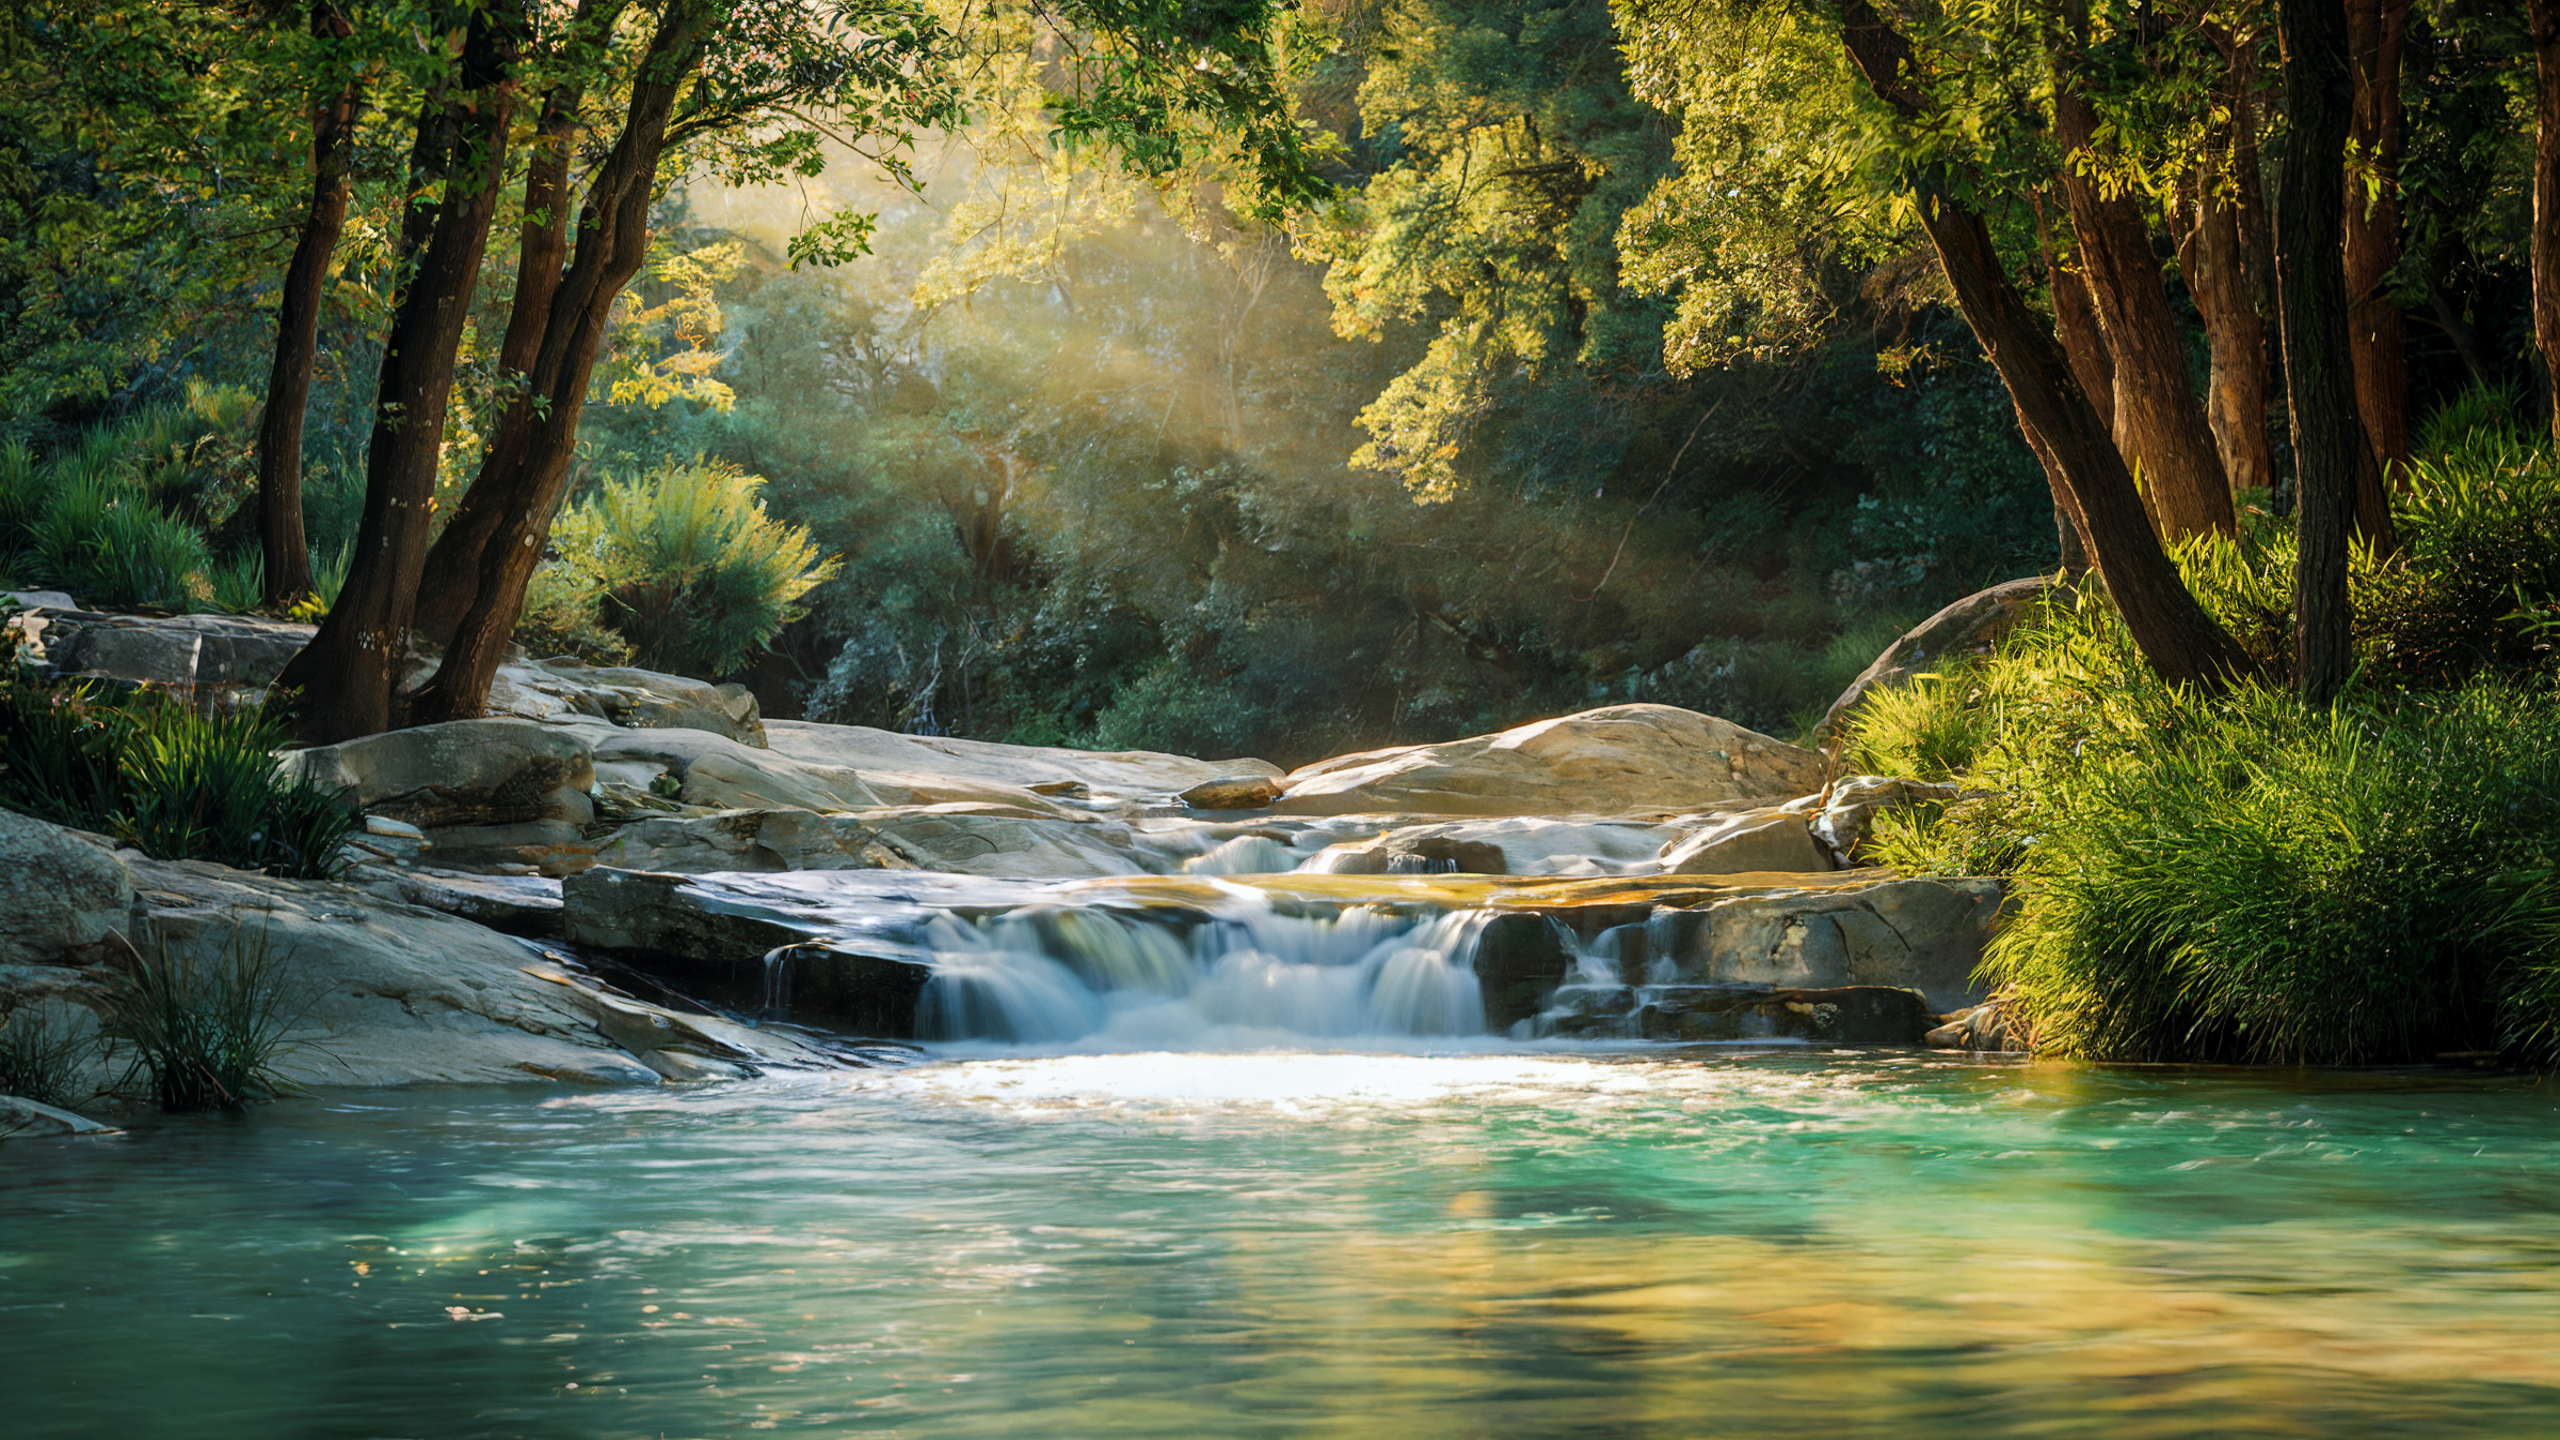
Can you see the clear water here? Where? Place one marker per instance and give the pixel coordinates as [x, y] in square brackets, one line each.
[1501, 1243]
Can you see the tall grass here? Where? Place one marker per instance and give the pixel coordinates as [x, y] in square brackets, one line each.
[206, 1031]
[176, 782]
[42, 1055]
[2241, 878]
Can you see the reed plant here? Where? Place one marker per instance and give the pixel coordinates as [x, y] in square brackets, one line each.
[205, 1031]
[43, 1055]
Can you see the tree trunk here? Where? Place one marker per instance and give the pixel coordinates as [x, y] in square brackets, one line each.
[347, 675]
[2159, 426]
[2543, 22]
[2328, 438]
[542, 249]
[523, 488]
[2376, 30]
[2216, 257]
[2175, 634]
[2070, 531]
[2075, 320]
[279, 497]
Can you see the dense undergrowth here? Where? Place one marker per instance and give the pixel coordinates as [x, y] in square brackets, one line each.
[2239, 878]
[175, 780]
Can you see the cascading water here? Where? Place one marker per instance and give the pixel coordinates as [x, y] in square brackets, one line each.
[1055, 976]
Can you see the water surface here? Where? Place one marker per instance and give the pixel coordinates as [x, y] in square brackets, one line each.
[1490, 1243]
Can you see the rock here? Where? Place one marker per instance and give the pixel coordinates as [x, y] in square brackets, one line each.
[551, 690]
[175, 650]
[1845, 1015]
[512, 905]
[399, 995]
[1513, 845]
[1970, 626]
[1850, 805]
[64, 893]
[740, 954]
[714, 772]
[22, 1119]
[1984, 1028]
[679, 1066]
[40, 600]
[1921, 935]
[1621, 760]
[1232, 792]
[956, 839]
[925, 770]
[460, 773]
[1774, 839]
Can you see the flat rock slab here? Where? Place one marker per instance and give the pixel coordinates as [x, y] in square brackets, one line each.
[1845, 1015]
[1620, 760]
[24, 1119]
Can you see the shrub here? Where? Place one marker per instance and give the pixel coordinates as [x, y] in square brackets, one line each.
[102, 539]
[2251, 880]
[205, 1031]
[238, 585]
[691, 571]
[176, 782]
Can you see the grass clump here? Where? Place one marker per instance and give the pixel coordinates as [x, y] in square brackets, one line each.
[205, 1031]
[2239, 878]
[693, 575]
[175, 781]
[42, 1055]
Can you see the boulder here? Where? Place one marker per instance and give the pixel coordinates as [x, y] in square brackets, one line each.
[66, 890]
[510, 904]
[551, 690]
[735, 952]
[924, 769]
[713, 772]
[1984, 1028]
[1512, 845]
[1851, 803]
[956, 839]
[396, 994]
[1232, 792]
[173, 650]
[1846, 1015]
[23, 1119]
[1621, 760]
[461, 773]
[1920, 935]
[1772, 839]
[1970, 626]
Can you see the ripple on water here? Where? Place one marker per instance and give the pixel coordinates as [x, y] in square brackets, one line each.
[1504, 1241]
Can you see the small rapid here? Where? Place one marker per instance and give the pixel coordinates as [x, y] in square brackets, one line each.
[1050, 976]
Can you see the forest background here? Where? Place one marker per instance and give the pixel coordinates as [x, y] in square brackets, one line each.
[1108, 462]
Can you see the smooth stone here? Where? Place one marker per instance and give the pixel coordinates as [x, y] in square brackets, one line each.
[683, 1068]
[66, 892]
[40, 599]
[923, 769]
[1851, 804]
[1232, 792]
[1972, 626]
[1842, 1015]
[1619, 760]
[172, 650]
[513, 905]
[460, 773]
[1775, 839]
[1917, 934]
[955, 839]
[24, 1119]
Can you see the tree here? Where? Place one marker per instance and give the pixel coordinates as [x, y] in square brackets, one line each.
[2376, 33]
[2328, 438]
[346, 676]
[2543, 26]
[337, 97]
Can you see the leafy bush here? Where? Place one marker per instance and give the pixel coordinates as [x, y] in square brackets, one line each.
[691, 571]
[206, 1032]
[2239, 878]
[103, 540]
[176, 782]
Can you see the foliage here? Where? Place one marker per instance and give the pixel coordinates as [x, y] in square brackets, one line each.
[177, 782]
[691, 570]
[2239, 878]
[206, 1030]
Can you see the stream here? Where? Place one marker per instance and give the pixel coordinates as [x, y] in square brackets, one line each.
[1416, 1237]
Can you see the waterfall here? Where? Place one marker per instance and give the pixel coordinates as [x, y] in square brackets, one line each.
[1246, 975]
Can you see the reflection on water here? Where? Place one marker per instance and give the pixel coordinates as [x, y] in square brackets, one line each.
[1552, 1243]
